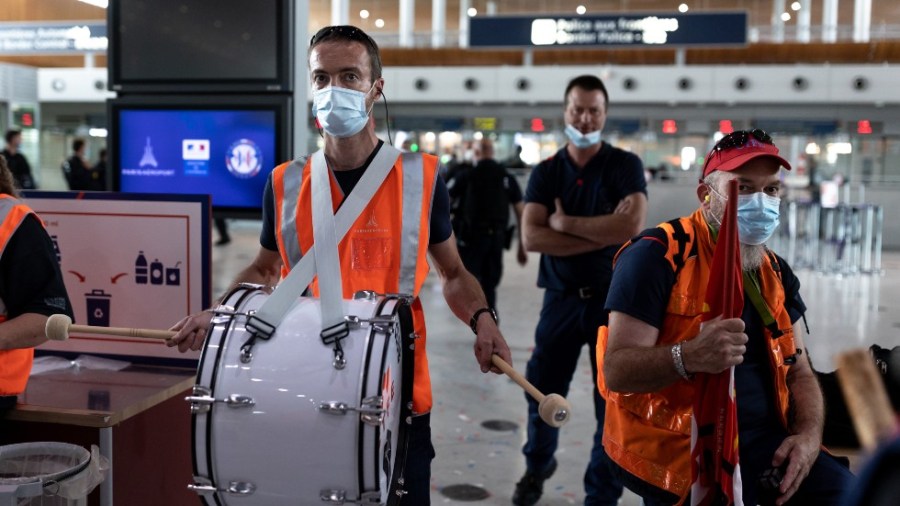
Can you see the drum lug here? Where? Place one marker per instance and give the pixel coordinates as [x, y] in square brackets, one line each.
[241, 488]
[333, 496]
[381, 324]
[202, 400]
[255, 286]
[370, 412]
[365, 295]
[340, 497]
[370, 498]
[204, 486]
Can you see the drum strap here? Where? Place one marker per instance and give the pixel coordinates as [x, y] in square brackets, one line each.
[325, 244]
[263, 323]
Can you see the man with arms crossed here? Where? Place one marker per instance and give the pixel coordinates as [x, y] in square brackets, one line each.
[581, 205]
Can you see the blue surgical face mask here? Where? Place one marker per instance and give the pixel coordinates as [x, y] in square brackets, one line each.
[341, 111]
[580, 140]
[757, 216]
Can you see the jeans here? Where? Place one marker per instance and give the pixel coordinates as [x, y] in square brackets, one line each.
[566, 325]
[826, 483]
[417, 472]
[651, 494]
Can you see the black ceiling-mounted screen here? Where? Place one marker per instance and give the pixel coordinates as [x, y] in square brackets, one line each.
[177, 46]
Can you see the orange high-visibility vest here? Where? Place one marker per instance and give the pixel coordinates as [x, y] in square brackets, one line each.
[15, 365]
[394, 226]
[649, 434]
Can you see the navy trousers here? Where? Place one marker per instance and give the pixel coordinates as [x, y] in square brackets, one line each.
[417, 472]
[566, 325]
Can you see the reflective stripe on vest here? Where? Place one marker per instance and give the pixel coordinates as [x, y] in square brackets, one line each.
[15, 365]
[649, 434]
[412, 212]
[287, 214]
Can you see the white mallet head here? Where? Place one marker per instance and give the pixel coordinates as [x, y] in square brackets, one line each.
[57, 328]
[555, 410]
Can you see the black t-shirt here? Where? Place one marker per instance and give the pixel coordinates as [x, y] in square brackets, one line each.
[459, 190]
[440, 207]
[611, 175]
[30, 279]
[77, 174]
[641, 285]
[20, 169]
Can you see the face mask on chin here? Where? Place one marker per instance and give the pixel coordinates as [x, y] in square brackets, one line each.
[341, 112]
[580, 140]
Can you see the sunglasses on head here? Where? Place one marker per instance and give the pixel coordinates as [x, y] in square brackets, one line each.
[739, 138]
[341, 32]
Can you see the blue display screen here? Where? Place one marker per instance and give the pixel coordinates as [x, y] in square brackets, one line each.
[225, 153]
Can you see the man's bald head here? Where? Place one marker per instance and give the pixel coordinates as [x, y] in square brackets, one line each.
[484, 149]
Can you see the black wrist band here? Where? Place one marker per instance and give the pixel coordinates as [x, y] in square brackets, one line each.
[473, 323]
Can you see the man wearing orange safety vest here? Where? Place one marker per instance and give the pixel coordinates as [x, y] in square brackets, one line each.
[31, 288]
[654, 344]
[345, 71]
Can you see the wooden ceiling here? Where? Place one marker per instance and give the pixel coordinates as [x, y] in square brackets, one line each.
[760, 12]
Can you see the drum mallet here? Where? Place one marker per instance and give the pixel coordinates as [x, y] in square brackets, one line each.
[59, 325]
[553, 408]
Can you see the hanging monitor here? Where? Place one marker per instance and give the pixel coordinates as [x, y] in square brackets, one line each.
[177, 46]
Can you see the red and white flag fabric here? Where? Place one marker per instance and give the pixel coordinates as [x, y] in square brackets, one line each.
[715, 472]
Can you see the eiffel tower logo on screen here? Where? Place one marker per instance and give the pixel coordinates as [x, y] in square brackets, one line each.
[148, 158]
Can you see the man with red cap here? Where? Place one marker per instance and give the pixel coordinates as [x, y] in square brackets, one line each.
[654, 343]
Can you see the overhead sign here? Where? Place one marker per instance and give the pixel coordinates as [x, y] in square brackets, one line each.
[629, 30]
[52, 38]
[485, 123]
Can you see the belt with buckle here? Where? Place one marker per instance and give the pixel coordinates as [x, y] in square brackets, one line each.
[585, 292]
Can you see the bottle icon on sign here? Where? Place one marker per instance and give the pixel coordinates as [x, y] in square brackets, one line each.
[140, 269]
[156, 272]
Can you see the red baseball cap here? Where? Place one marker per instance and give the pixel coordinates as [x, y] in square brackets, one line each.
[731, 157]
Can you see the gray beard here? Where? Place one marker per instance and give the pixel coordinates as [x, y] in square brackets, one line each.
[752, 255]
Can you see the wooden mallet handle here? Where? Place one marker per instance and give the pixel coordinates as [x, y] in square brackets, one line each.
[554, 409]
[59, 326]
[518, 378]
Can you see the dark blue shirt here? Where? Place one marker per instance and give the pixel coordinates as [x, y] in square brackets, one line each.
[440, 207]
[611, 175]
[641, 284]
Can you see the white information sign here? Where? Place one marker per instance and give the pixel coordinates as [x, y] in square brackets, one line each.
[128, 261]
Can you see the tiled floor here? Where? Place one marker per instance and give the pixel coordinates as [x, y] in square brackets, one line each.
[844, 312]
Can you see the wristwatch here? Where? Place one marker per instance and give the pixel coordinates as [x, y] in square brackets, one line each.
[473, 323]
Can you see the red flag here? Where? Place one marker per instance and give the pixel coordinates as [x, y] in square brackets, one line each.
[715, 474]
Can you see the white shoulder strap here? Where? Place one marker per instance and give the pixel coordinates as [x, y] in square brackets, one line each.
[267, 318]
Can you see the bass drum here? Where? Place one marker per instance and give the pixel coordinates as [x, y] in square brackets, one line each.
[288, 426]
